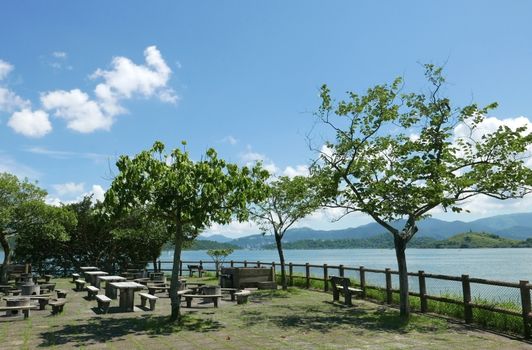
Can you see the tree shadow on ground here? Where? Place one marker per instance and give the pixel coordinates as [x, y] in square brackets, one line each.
[100, 330]
[329, 316]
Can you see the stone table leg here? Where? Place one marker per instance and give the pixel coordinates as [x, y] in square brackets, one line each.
[110, 292]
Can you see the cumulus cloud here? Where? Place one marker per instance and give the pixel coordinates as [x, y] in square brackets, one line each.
[230, 140]
[72, 192]
[30, 123]
[59, 54]
[81, 113]
[9, 101]
[298, 170]
[234, 229]
[125, 80]
[5, 69]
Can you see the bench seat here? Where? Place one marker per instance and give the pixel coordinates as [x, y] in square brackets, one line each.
[80, 284]
[75, 276]
[340, 285]
[57, 305]
[61, 293]
[214, 298]
[242, 296]
[152, 299]
[103, 302]
[92, 292]
[25, 309]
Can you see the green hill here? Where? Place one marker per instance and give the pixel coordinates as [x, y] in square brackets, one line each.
[206, 245]
[476, 240]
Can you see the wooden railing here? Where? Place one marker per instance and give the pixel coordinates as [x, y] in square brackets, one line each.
[360, 279]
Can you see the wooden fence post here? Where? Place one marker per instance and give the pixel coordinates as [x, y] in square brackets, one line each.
[307, 275]
[200, 272]
[389, 296]
[422, 291]
[274, 275]
[363, 281]
[232, 263]
[291, 273]
[325, 278]
[245, 263]
[180, 268]
[525, 307]
[466, 291]
[341, 270]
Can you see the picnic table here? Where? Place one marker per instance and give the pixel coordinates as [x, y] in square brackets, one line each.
[127, 294]
[90, 276]
[88, 268]
[110, 292]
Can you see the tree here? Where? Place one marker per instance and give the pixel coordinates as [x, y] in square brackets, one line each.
[218, 256]
[396, 156]
[288, 201]
[187, 195]
[17, 199]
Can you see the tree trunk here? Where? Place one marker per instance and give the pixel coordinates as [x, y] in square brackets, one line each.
[7, 258]
[217, 267]
[278, 241]
[174, 282]
[400, 247]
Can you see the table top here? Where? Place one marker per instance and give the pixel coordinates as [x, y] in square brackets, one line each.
[96, 273]
[88, 268]
[127, 285]
[111, 278]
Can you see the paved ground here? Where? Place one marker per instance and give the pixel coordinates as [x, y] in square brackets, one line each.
[298, 319]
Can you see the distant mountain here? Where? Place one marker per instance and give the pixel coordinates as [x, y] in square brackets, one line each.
[215, 238]
[514, 226]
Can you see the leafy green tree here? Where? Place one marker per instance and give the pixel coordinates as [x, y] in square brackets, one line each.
[17, 200]
[288, 201]
[187, 195]
[218, 256]
[395, 156]
[41, 232]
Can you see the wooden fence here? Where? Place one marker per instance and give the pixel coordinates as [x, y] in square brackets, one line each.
[360, 279]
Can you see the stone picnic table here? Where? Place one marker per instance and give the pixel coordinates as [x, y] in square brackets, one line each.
[110, 292]
[127, 294]
[91, 277]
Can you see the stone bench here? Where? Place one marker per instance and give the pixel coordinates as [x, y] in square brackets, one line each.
[103, 302]
[25, 309]
[231, 291]
[340, 285]
[153, 288]
[150, 297]
[13, 292]
[61, 294]
[75, 276]
[242, 296]
[48, 286]
[80, 284]
[214, 298]
[57, 305]
[92, 292]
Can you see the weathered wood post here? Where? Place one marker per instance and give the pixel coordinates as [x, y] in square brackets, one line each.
[200, 272]
[307, 275]
[525, 307]
[245, 263]
[341, 270]
[291, 273]
[180, 268]
[422, 291]
[466, 291]
[325, 278]
[258, 263]
[232, 263]
[363, 281]
[159, 266]
[389, 296]
[274, 275]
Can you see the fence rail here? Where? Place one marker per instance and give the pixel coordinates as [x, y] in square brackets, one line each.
[456, 290]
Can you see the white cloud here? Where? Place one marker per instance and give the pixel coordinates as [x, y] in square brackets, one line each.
[5, 69]
[69, 188]
[72, 192]
[230, 140]
[249, 158]
[59, 54]
[97, 157]
[299, 170]
[81, 113]
[125, 80]
[10, 101]
[30, 123]
[233, 230]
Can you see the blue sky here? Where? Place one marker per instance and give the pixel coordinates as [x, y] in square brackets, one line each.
[81, 83]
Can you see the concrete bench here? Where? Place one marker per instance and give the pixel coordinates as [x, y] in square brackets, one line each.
[231, 291]
[43, 300]
[47, 278]
[103, 302]
[25, 309]
[80, 284]
[340, 285]
[92, 292]
[214, 298]
[48, 286]
[195, 268]
[75, 276]
[13, 292]
[57, 305]
[242, 296]
[61, 294]
[150, 297]
[153, 288]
